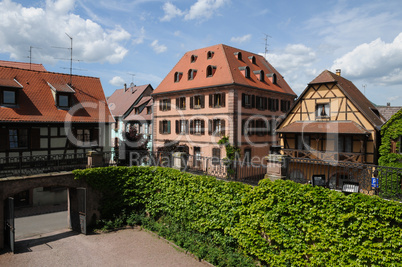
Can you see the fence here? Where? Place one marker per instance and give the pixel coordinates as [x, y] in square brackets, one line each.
[371, 179]
[29, 165]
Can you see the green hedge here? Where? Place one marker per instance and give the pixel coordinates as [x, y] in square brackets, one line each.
[279, 224]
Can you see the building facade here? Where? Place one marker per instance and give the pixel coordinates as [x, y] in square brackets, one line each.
[220, 91]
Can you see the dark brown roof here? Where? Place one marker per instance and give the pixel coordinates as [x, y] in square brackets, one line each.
[353, 94]
[147, 101]
[344, 127]
[387, 111]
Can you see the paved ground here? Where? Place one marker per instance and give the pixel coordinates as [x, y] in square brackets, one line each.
[130, 247]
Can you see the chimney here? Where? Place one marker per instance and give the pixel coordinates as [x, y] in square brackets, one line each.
[125, 87]
[388, 104]
[338, 72]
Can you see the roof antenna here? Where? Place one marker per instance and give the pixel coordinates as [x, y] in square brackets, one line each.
[30, 55]
[266, 44]
[71, 59]
[132, 79]
[364, 88]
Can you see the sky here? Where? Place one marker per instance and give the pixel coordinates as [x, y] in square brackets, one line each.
[140, 41]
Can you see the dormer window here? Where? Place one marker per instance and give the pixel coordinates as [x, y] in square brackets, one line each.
[177, 76]
[252, 59]
[149, 110]
[260, 75]
[63, 95]
[272, 78]
[193, 58]
[210, 54]
[238, 55]
[191, 74]
[211, 70]
[9, 92]
[245, 70]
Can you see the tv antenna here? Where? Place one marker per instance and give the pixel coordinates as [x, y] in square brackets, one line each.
[364, 88]
[30, 55]
[132, 79]
[266, 44]
[71, 55]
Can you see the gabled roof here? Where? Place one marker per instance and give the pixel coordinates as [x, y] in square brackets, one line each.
[22, 65]
[36, 102]
[227, 69]
[388, 111]
[122, 101]
[145, 102]
[353, 94]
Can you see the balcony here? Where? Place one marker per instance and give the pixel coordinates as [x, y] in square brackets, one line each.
[325, 155]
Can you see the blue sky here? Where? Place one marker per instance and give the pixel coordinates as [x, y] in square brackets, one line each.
[113, 40]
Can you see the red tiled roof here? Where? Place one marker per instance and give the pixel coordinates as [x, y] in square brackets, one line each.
[36, 102]
[63, 88]
[344, 127]
[227, 71]
[143, 116]
[10, 83]
[121, 101]
[22, 65]
[143, 100]
[353, 94]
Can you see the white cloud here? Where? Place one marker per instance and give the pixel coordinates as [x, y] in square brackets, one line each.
[201, 10]
[45, 28]
[117, 81]
[141, 37]
[378, 62]
[241, 39]
[157, 47]
[171, 11]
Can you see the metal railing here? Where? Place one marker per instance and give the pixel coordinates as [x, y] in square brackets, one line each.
[371, 179]
[29, 165]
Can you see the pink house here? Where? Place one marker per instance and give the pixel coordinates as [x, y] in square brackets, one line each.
[220, 91]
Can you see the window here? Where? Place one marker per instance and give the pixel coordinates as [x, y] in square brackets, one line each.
[164, 104]
[247, 156]
[211, 70]
[273, 104]
[146, 128]
[400, 145]
[193, 58]
[260, 75]
[197, 102]
[18, 138]
[216, 127]
[63, 101]
[238, 55]
[149, 110]
[261, 127]
[191, 74]
[217, 100]
[252, 59]
[83, 135]
[9, 97]
[245, 70]
[181, 103]
[164, 127]
[247, 100]
[216, 156]
[303, 142]
[322, 111]
[177, 76]
[137, 111]
[210, 54]
[197, 127]
[345, 143]
[272, 78]
[181, 126]
[285, 105]
[261, 102]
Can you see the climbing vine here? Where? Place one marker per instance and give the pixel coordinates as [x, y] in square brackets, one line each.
[232, 152]
[390, 132]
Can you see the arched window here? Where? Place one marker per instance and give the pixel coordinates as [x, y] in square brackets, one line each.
[238, 55]
[210, 54]
[193, 58]
[210, 70]
[177, 76]
[247, 72]
[252, 59]
[191, 74]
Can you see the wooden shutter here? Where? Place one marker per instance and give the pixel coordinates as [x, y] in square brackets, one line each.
[253, 101]
[251, 127]
[210, 100]
[265, 103]
[393, 145]
[223, 126]
[35, 138]
[177, 127]
[243, 100]
[191, 102]
[168, 127]
[210, 127]
[191, 127]
[223, 100]
[202, 101]
[160, 127]
[277, 104]
[169, 104]
[186, 122]
[243, 128]
[177, 103]
[160, 105]
[3, 139]
[202, 127]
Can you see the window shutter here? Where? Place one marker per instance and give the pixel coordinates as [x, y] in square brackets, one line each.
[177, 126]
[160, 105]
[168, 127]
[202, 127]
[186, 122]
[191, 102]
[95, 136]
[3, 139]
[223, 100]
[253, 101]
[243, 100]
[251, 127]
[276, 104]
[265, 103]
[393, 146]
[191, 127]
[168, 104]
[243, 121]
[210, 100]
[202, 101]
[210, 127]
[160, 127]
[223, 126]
[177, 103]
